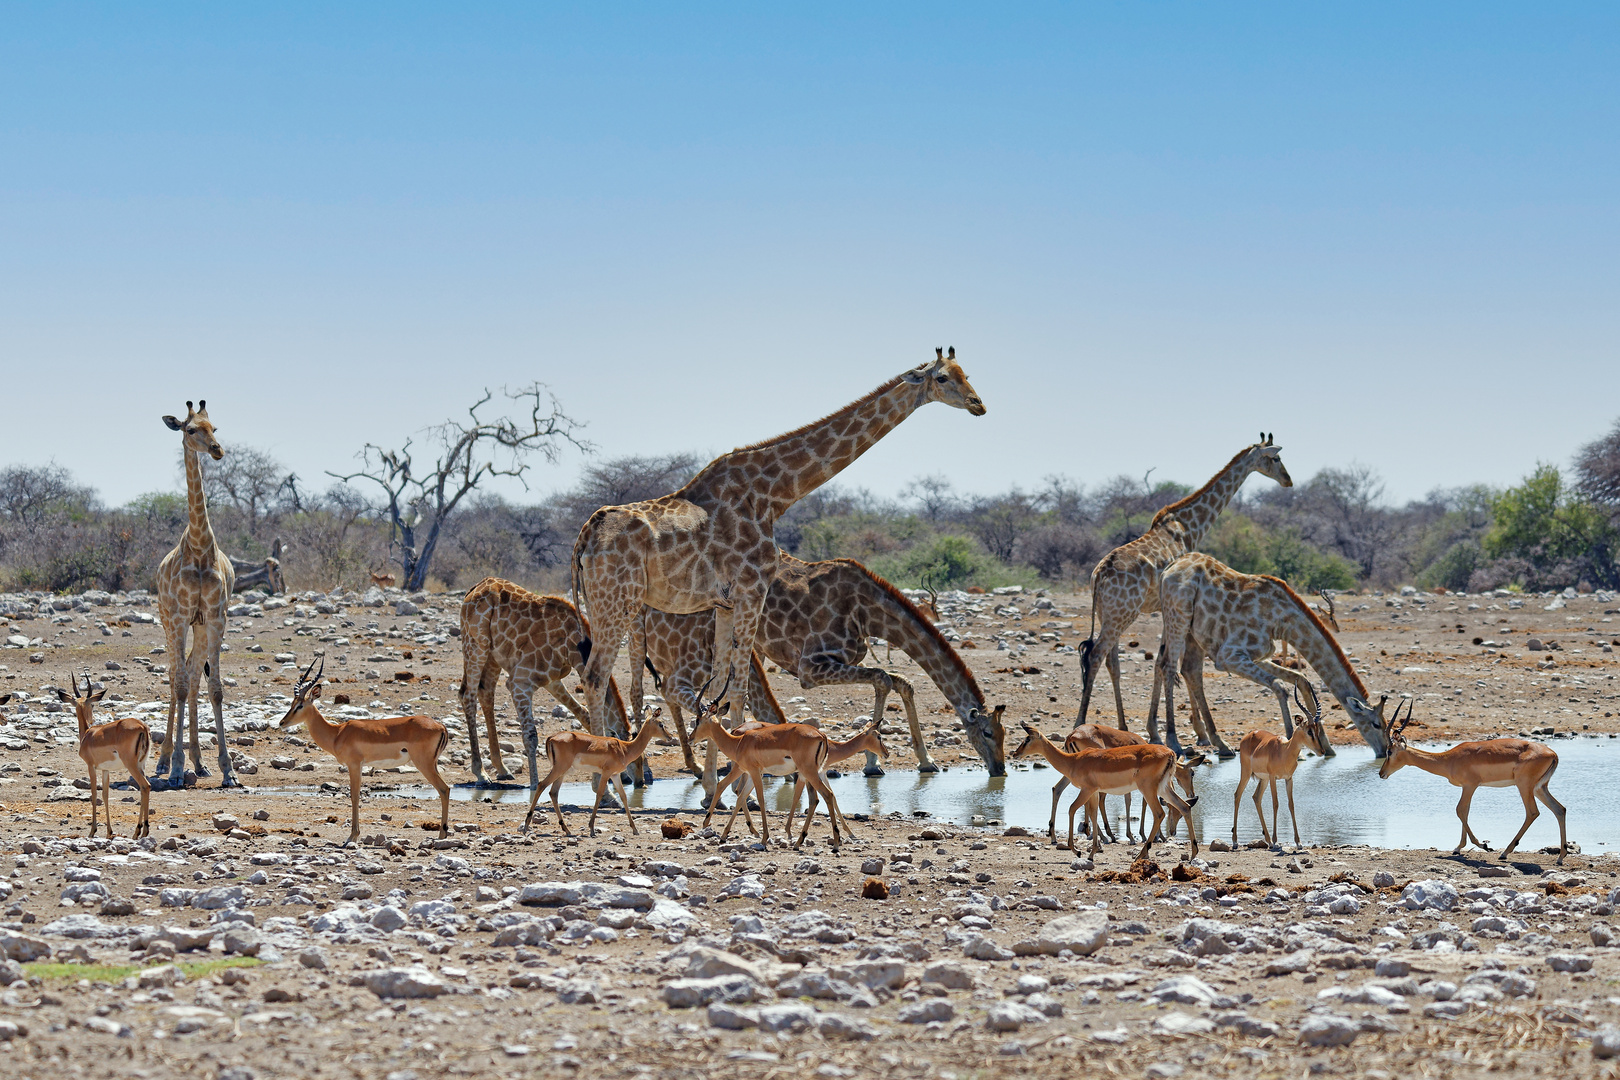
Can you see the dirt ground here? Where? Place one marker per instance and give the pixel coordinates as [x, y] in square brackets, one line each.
[657, 956]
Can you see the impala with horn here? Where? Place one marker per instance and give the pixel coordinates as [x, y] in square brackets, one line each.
[390, 741]
[125, 742]
[1515, 763]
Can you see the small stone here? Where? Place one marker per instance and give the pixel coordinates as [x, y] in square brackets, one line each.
[730, 1018]
[1569, 962]
[388, 919]
[873, 866]
[1389, 968]
[1383, 879]
[315, 958]
[1180, 1023]
[1328, 1029]
[164, 976]
[1011, 1015]
[411, 982]
[1606, 1042]
[926, 1012]
[1082, 933]
[242, 940]
[1602, 934]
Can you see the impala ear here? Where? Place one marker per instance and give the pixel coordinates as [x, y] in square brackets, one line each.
[4, 698]
[62, 695]
[315, 691]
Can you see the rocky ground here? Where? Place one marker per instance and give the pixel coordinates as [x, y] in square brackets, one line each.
[493, 952]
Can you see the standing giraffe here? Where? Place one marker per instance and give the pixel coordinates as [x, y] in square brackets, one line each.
[711, 546]
[537, 639]
[194, 583]
[817, 622]
[1125, 583]
[1236, 620]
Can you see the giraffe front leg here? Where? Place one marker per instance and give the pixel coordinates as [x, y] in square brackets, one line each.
[523, 702]
[908, 699]
[173, 760]
[216, 698]
[880, 698]
[613, 601]
[734, 634]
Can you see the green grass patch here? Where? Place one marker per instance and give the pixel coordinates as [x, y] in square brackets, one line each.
[193, 969]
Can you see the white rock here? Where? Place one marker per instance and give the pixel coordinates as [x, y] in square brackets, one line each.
[412, 982]
[1011, 1015]
[1328, 1029]
[1180, 1023]
[1082, 933]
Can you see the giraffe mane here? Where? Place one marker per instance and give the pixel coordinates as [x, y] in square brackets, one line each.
[1187, 500]
[1316, 621]
[802, 428]
[925, 624]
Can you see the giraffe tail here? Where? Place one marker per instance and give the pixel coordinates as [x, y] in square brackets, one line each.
[1090, 644]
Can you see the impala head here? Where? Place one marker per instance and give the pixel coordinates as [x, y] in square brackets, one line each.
[82, 706]
[1315, 731]
[942, 379]
[1031, 737]
[656, 720]
[872, 738]
[199, 431]
[987, 736]
[305, 694]
[1396, 740]
[1265, 458]
[1369, 720]
[708, 714]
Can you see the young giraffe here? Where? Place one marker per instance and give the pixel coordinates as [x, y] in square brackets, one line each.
[1236, 620]
[710, 545]
[536, 639]
[817, 623]
[1125, 583]
[194, 583]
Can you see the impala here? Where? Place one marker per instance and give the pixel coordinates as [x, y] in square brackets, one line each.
[1268, 758]
[1100, 736]
[798, 747]
[123, 741]
[1147, 768]
[357, 743]
[869, 741]
[1520, 763]
[382, 581]
[607, 755]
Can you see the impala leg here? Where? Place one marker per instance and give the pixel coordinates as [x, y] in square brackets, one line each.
[1147, 833]
[1051, 822]
[354, 804]
[106, 800]
[1259, 808]
[1289, 781]
[1237, 799]
[601, 789]
[1102, 812]
[1462, 816]
[1530, 815]
[1184, 808]
[628, 816]
[1080, 796]
[1276, 818]
[732, 820]
[143, 827]
[818, 786]
[93, 822]
[429, 768]
[1558, 810]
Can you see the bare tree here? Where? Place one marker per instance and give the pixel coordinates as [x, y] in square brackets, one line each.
[29, 493]
[1597, 469]
[250, 480]
[934, 496]
[470, 452]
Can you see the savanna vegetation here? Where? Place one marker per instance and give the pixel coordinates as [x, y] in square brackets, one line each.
[436, 523]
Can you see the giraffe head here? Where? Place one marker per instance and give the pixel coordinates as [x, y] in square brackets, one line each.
[1369, 720]
[942, 379]
[199, 431]
[989, 737]
[1265, 458]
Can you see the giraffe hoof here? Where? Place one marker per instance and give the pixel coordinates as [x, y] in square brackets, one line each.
[230, 782]
[202, 770]
[1225, 755]
[877, 770]
[503, 775]
[930, 767]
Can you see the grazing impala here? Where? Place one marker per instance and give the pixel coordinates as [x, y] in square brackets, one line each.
[1100, 736]
[125, 742]
[607, 755]
[1147, 768]
[1268, 759]
[357, 743]
[1520, 763]
[382, 581]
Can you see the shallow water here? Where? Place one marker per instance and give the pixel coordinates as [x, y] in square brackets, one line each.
[1339, 800]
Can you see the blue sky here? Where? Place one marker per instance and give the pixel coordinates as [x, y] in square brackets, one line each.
[1387, 234]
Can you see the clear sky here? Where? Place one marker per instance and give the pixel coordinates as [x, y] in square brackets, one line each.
[1388, 233]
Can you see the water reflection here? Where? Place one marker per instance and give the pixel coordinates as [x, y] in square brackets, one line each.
[1339, 800]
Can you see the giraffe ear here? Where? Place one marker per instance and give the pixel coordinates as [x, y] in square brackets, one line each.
[174, 425]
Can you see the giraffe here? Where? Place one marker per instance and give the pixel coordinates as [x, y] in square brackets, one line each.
[710, 545]
[817, 623]
[1236, 620]
[1125, 583]
[194, 583]
[538, 640]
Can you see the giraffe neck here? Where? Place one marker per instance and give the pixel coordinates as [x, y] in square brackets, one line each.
[779, 472]
[199, 540]
[1293, 623]
[1198, 511]
[902, 625]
